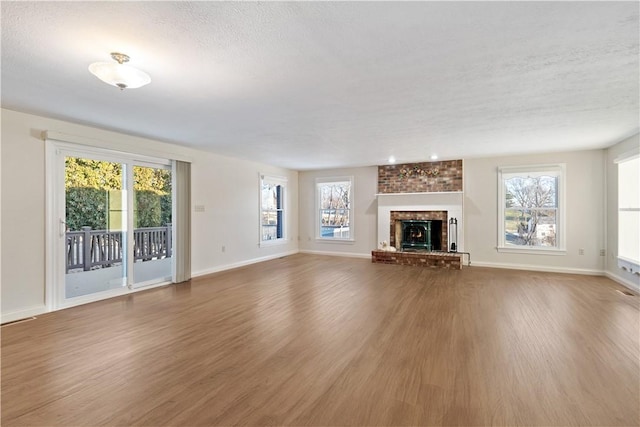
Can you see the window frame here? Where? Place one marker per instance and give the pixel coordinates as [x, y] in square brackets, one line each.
[328, 180]
[282, 182]
[626, 263]
[56, 150]
[507, 172]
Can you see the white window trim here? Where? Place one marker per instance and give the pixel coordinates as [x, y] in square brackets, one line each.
[352, 234]
[624, 263]
[561, 170]
[627, 155]
[122, 144]
[283, 181]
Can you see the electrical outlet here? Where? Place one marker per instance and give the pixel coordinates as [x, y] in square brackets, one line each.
[580, 251]
[224, 248]
[602, 252]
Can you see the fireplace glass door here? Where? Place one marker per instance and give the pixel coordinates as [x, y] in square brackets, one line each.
[416, 235]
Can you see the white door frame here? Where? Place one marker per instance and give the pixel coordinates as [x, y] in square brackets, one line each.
[55, 230]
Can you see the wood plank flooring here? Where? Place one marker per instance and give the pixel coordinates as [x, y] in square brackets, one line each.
[324, 341]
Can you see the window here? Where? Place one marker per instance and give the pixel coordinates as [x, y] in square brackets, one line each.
[629, 213]
[272, 207]
[334, 206]
[531, 209]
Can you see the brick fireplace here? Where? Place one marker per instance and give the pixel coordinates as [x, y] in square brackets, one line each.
[429, 191]
[434, 206]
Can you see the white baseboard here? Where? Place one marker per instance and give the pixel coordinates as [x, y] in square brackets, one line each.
[342, 254]
[24, 313]
[547, 269]
[624, 282]
[240, 264]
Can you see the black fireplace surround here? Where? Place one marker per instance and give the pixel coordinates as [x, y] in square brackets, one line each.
[421, 235]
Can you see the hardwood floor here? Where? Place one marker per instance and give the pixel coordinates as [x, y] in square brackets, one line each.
[312, 340]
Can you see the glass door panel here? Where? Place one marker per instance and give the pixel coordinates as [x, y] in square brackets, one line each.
[95, 226]
[152, 244]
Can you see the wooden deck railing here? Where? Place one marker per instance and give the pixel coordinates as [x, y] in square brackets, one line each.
[105, 247]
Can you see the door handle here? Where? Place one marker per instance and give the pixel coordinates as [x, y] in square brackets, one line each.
[62, 227]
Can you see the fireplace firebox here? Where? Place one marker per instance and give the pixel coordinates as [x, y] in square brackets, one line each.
[421, 235]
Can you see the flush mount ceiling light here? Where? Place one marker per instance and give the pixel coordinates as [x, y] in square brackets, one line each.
[118, 74]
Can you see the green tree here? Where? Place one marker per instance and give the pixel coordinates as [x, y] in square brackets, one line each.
[153, 196]
[88, 184]
[86, 207]
[87, 173]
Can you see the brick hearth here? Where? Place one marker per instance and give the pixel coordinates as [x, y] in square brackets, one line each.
[444, 260]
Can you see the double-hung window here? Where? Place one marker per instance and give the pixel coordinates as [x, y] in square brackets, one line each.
[272, 209]
[629, 212]
[334, 207]
[531, 209]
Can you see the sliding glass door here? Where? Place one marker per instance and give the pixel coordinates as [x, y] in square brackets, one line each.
[95, 225]
[152, 244]
[115, 224]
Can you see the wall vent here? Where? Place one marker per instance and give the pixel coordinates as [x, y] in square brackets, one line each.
[627, 293]
[28, 319]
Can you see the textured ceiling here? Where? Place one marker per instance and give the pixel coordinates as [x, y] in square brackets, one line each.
[330, 84]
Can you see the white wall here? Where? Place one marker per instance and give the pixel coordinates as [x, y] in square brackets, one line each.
[23, 218]
[585, 185]
[612, 268]
[364, 206]
[584, 212]
[228, 188]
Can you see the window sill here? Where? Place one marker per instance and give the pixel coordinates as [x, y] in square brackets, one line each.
[339, 241]
[530, 250]
[274, 242]
[628, 265]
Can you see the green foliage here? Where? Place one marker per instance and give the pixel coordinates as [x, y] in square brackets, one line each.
[86, 207]
[86, 173]
[151, 209]
[157, 181]
[88, 184]
[165, 209]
